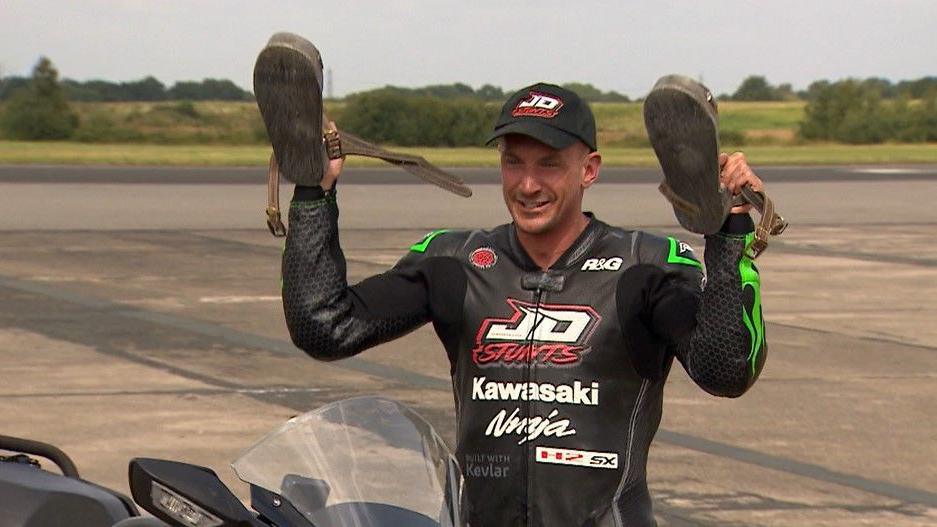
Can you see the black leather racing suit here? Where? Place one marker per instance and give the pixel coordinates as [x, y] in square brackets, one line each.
[558, 376]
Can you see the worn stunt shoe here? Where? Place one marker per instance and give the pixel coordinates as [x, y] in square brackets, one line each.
[682, 124]
[288, 88]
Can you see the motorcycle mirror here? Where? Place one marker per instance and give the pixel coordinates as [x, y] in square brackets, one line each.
[306, 494]
[186, 495]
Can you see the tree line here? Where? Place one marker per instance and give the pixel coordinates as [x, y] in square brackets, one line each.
[441, 115]
[858, 112]
[491, 93]
[757, 88]
[146, 89]
[852, 111]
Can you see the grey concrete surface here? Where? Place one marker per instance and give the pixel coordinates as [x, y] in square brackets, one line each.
[387, 175]
[144, 320]
[104, 207]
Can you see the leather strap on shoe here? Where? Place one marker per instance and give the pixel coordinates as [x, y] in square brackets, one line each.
[676, 200]
[343, 144]
[351, 145]
[770, 224]
[274, 221]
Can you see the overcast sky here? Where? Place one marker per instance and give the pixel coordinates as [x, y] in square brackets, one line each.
[622, 46]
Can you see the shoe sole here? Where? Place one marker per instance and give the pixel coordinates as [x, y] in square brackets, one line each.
[682, 126]
[288, 88]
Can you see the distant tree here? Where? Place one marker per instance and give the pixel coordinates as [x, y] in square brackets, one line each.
[827, 108]
[224, 90]
[401, 117]
[755, 88]
[785, 92]
[447, 90]
[927, 120]
[208, 89]
[592, 94]
[145, 89]
[39, 111]
[883, 87]
[94, 90]
[815, 89]
[848, 111]
[106, 90]
[917, 89]
[77, 91]
[614, 96]
[8, 85]
[584, 90]
[490, 93]
[456, 90]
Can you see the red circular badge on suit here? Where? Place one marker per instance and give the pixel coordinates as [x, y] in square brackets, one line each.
[483, 258]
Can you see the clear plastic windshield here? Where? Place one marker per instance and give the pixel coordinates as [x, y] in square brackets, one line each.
[366, 462]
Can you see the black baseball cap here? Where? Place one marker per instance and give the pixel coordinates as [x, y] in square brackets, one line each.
[555, 116]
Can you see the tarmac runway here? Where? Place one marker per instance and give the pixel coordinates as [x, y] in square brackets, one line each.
[393, 176]
[144, 320]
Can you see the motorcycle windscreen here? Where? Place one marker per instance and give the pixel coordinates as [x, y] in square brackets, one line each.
[364, 462]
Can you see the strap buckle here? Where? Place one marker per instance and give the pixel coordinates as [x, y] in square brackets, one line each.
[274, 222]
[333, 148]
[759, 243]
[770, 224]
[780, 225]
[333, 143]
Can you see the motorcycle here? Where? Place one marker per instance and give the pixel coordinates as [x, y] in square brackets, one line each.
[31, 496]
[360, 462]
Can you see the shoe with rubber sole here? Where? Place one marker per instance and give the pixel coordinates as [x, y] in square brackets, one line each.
[288, 88]
[680, 115]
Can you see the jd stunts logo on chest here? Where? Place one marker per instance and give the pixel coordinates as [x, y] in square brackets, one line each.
[551, 335]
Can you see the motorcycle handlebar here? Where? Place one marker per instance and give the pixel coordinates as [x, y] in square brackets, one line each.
[38, 448]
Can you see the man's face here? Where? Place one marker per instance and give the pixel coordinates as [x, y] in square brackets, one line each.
[543, 187]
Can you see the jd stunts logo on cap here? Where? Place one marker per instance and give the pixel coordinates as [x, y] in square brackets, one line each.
[551, 114]
[538, 105]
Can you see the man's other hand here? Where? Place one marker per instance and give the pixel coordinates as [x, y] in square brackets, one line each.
[734, 173]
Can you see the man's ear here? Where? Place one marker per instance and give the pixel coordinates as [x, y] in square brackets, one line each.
[592, 163]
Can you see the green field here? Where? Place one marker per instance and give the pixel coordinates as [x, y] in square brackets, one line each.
[239, 123]
[232, 134]
[68, 153]
[745, 123]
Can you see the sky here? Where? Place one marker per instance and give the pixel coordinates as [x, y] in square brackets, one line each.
[615, 45]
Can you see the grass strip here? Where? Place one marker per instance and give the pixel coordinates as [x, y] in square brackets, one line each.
[69, 153]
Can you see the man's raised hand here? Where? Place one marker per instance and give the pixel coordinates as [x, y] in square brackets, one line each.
[735, 173]
[333, 167]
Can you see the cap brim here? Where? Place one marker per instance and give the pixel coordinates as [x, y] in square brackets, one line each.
[542, 132]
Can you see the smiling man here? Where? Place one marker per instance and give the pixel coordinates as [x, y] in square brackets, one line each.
[560, 329]
[545, 203]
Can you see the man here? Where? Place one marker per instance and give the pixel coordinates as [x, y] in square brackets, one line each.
[560, 329]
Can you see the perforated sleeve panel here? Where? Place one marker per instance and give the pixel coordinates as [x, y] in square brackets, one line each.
[326, 318]
[725, 352]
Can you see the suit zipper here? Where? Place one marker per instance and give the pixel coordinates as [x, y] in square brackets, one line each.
[530, 366]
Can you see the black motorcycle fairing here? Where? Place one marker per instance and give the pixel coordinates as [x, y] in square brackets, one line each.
[31, 497]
